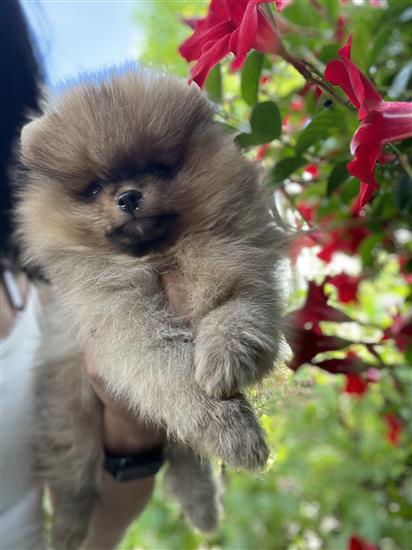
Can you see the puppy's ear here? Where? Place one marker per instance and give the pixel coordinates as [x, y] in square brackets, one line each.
[29, 142]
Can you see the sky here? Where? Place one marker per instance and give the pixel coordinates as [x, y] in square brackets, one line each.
[75, 36]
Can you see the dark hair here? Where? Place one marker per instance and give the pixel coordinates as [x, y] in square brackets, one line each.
[18, 94]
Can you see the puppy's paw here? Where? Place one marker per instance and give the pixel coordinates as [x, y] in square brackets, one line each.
[235, 436]
[224, 364]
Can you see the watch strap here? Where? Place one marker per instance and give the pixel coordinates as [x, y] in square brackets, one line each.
[134, 466]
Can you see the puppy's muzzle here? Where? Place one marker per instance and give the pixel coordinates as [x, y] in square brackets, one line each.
[129, 201]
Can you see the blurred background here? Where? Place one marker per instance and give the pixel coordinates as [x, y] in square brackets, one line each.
[339, 473]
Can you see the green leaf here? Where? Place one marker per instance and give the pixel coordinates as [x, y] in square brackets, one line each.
[328, 52]
[250, 77]
[381, 40]
[321, 127]
[249, 140]
[213, 85]
[338, 175]
[284, 168]
[367, 248]
[265, 124]
[266, 121]
[349, 189]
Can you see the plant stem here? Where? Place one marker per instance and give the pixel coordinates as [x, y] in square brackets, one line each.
[311, 74]
[403, 159]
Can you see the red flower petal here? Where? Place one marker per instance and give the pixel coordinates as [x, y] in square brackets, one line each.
[316, 308]
[365, 94]
[340, 29]
[394, 428]
[345, 239]
[355, 384]
[356, 543]
[298, 244]
[306, 344]
[312, 170]
[401, 332]
[248, 29]
[307, 211]
[351, 364]
[209, 59]
[346, 285]
[281, 4]
[261, 151]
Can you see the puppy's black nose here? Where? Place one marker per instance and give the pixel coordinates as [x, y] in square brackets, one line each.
[129, 200]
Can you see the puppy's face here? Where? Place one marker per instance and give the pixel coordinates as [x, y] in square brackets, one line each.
[126, 165]
[133, 210]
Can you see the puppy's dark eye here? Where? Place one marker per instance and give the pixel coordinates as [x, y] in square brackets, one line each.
[161, 171]
[94, 189]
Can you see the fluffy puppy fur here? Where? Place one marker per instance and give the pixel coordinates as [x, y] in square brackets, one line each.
[124, 179]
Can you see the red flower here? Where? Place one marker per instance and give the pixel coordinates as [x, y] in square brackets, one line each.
[394, 428]
[306, 344]
[305, 337]
[317, 309]
[351, 364]
[281, 4]
[343, 239]
[297, 104]
[355, 384]
[401, 332]
[261, 151]
[307, 211]
[356, 543]
[311, 171]
[298, 244]
[382, 121]
[234, 26]
[340, 29]
[264, 79]
[346, 285]
[404, 262]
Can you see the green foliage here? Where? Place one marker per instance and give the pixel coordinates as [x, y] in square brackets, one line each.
[325, 123]
[265, 125]
[213, 84]
[285, 168]
[338, 176]
[333, 470]
[250, 77]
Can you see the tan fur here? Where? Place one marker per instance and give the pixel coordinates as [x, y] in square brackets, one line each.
[211, 224]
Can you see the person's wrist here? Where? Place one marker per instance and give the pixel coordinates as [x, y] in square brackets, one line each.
[122, 436]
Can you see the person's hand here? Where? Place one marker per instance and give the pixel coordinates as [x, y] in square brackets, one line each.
[123, 433]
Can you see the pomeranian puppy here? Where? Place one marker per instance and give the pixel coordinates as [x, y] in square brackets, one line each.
[125, 178]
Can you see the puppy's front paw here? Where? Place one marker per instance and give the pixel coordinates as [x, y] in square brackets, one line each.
[224, 364]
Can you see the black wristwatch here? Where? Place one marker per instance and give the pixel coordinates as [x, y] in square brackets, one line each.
[134, 466]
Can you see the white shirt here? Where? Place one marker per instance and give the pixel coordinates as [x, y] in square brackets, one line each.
[20, 497]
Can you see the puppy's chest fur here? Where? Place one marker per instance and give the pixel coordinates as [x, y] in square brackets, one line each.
[99, 293]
